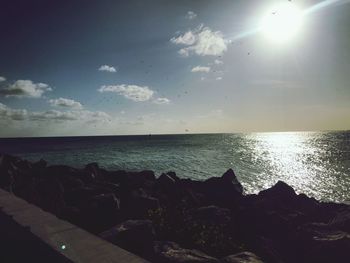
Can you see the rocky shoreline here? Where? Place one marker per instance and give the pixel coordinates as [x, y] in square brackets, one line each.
[169, 219]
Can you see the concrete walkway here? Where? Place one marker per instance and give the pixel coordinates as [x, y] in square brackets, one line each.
[65, 239]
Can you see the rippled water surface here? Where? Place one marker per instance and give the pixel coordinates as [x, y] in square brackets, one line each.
[315, 163]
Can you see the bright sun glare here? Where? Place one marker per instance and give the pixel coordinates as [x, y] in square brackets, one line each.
[282, 22]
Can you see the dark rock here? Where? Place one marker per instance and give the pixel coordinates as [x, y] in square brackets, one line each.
[174, 176]
[134, 235]
[79, 197]
[138, 204]
[39, 165]
[94, 170]
[104, 202]
[170, 252]
[230, 177]
[280, 190]
[166, 181]
[70, 182]
[243, 257]
[341, 220]
[48, 194]
[222, 191]
[211, 214]
[319, 243]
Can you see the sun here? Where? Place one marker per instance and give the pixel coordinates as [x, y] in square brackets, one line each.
[282, 22]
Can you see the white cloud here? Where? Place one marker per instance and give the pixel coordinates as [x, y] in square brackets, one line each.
[191, 15]
[81, 115]
[131, 92]
[218, 62]
[2, 79]
[186, 39]
[7, 113]
[200, 69]
[219, 78]
[12, 114]
[201, 41]
[68, 103]
[107, 68]
[25, 88]
[161, 101]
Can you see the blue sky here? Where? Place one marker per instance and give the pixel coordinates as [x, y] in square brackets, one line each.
[140, 67]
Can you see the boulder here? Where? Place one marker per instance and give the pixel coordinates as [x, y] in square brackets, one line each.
[230, 177]
[39, 165]
[173, 175]
[171, 252]
[210, 215]
[243, 257]
[341, 220]
[280, 191]
[166, 181]
[94, 170]
[138, 204]
[320, 243]
[80, 196]
[222, 191]
[136, 236]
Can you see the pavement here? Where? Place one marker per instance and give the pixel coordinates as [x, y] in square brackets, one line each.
[27, 233]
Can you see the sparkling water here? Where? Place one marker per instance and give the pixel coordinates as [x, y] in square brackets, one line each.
[314, 163]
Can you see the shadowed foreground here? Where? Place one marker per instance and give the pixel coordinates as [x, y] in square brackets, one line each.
[168, 219]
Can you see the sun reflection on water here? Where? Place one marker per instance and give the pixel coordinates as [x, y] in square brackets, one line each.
[295, 158]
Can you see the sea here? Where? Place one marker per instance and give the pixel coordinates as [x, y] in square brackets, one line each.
[314, 163]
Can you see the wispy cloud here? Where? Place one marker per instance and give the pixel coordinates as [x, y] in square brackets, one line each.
[200, 69]
[131, 92]
[191, 15]
[2, 79]
[161, 101]
[107, 68]
[202, 41]
[218, 62]
[25, 88]
[12, 114]
[7, 113]
[67, 103]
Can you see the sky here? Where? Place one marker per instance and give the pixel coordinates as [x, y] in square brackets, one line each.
[70, 68]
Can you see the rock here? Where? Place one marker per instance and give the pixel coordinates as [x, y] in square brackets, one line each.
[39, 165]
[174, 176]
[222, 191]
[166, 181]
[134, 235]
[243, 257]
[341, 220]
[320, 243]
[94, 170]
[70, 182]
[101, 212]
[148, 175]
[280, 190]
[170, 252]
[138, 204]
[230, 177]
[131, 180]
[48, 194]
[80, 196]
[211, 215]
[104, 202]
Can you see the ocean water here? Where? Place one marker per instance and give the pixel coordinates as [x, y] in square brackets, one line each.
[314, 163]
